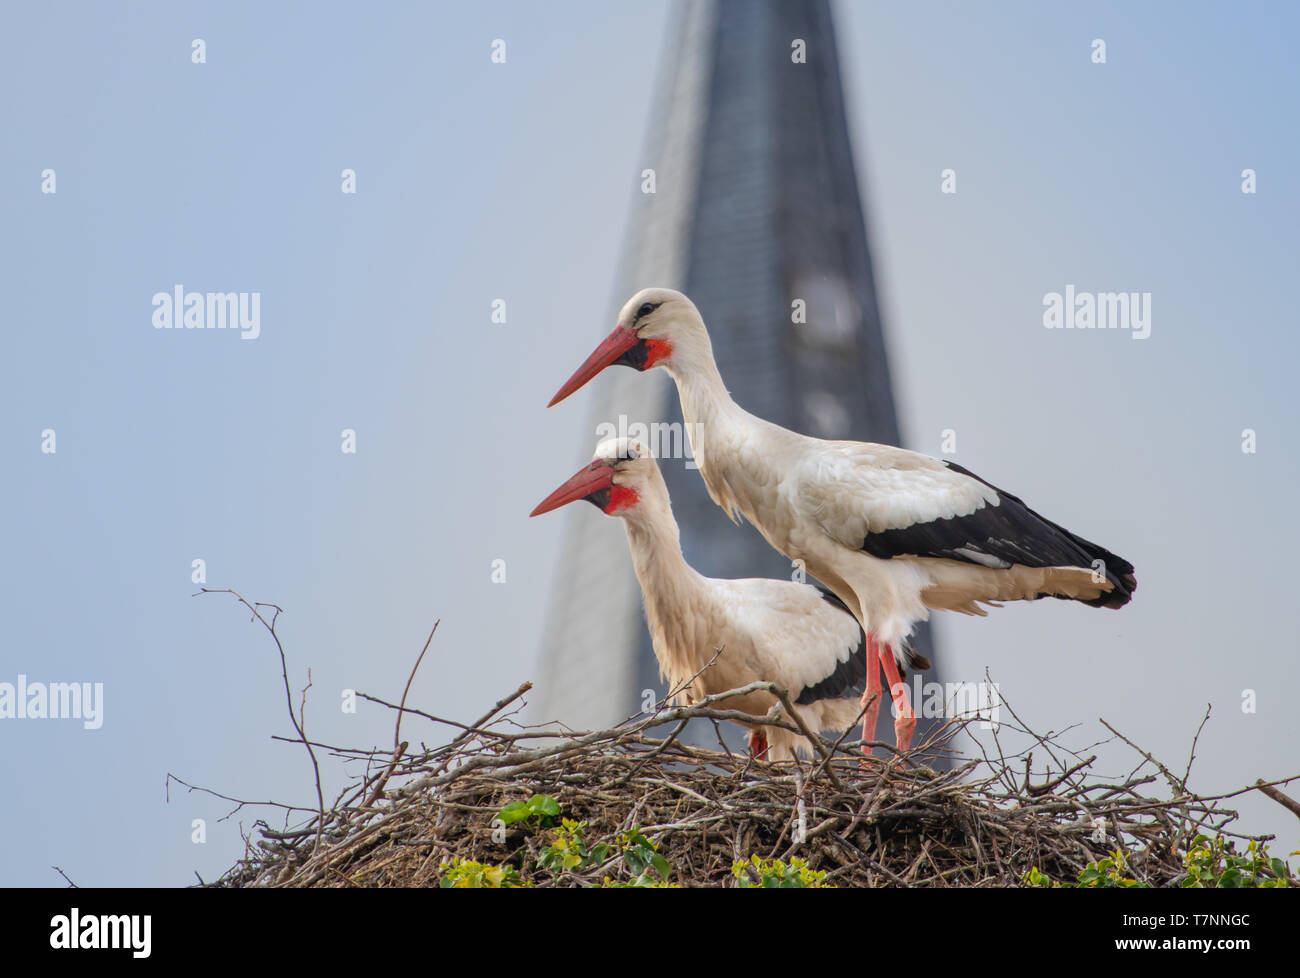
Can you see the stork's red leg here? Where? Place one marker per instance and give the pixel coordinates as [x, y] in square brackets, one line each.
[871, 698]
[758, 744]
[905, 720]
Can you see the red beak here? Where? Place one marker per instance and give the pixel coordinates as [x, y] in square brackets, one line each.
[591, 478]
[611, 348]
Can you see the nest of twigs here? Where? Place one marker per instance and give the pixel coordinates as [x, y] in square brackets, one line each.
[411, 815]
[893, 823]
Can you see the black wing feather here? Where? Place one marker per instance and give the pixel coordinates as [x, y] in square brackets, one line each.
[1009, 533]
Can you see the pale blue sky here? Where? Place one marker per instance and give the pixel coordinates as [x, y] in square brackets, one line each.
[480, 181]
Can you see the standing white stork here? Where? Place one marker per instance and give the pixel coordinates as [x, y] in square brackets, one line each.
[794, 635]
[893, 533]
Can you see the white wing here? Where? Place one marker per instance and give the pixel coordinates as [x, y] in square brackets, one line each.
[851, 489]
[796, 637]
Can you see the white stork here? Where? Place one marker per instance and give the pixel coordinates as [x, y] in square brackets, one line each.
[794, 635]
[892, 533]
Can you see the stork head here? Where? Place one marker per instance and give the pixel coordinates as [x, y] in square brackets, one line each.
[620, 477]
[657, 328]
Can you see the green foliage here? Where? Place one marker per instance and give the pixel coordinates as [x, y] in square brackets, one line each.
[643, 862]
[629, 861]
[1109, 874]
[465, 874]
[1216, 863]
[539, 811]
[775, 874]
[1037, 878]
[1104, 874]
[1211, 863]
[569, 850]
[632, 859]
[640, 860]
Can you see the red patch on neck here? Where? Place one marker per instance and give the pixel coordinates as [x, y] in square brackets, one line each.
[620, 497]
[656, 350]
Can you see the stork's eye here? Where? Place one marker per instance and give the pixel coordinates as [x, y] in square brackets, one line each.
[646, 309]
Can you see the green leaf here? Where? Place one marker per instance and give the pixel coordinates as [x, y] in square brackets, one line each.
[516, 811]
[661, 866]
[544, 805]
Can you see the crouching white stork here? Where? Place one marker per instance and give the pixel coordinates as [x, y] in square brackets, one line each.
[893, 533]
[793, 635]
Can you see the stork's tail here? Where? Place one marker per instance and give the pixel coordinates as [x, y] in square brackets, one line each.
[1116, 570]
[908, 658]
